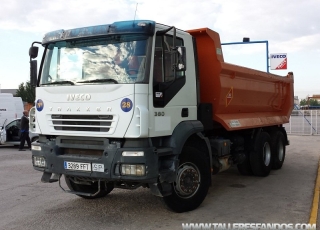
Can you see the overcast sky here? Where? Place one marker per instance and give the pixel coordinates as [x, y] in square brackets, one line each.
[291, 27]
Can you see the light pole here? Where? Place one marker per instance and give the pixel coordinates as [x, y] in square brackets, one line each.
[247, 41]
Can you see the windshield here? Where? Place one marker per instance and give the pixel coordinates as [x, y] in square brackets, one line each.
[108, 60]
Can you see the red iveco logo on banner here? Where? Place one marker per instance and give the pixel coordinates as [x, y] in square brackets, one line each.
[278, 61]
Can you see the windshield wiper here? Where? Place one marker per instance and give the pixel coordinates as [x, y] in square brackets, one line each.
[59, 83]
[99, 80]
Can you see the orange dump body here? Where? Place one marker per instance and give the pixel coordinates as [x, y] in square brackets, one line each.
[241, 97]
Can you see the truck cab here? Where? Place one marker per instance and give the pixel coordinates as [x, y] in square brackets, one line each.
[90, 73]
[115, 103]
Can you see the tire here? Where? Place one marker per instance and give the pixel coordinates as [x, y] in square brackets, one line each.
[245, 168]
[192, 181]
[92, 188]
[260, 158]
[278, 149]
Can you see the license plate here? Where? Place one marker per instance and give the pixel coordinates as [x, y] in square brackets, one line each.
[77, 166]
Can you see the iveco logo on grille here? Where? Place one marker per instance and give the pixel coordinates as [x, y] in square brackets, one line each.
[78, 97]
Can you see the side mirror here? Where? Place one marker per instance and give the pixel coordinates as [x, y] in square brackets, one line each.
[33, 51]
[181, 63]
[33, 73]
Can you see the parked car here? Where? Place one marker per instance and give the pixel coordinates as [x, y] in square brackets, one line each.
[11, 133]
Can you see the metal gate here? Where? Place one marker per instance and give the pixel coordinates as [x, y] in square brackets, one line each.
[304, 122]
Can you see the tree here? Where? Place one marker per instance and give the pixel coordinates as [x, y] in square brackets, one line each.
[26, 92]
[312, 102]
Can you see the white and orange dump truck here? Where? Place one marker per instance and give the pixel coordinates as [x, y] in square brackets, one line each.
[137, 103]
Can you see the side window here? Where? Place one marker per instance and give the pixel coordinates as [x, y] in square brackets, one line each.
[163, 69]
[13, 123]
[166, 81]
[157, 68]
[19, 124]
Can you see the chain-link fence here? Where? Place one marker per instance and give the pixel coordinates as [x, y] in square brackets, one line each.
[304, 122]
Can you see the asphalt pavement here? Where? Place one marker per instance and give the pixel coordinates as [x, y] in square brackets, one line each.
[285, 196]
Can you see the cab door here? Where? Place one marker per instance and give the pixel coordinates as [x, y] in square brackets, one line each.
[13, 131]
[173, 96]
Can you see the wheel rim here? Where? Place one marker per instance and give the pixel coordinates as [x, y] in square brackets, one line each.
[187, 181]
[280, 151]
[266, 154]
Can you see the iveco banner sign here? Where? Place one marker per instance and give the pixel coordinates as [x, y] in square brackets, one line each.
[278, 61]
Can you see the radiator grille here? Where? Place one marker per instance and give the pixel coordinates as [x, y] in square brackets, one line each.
[88, 123]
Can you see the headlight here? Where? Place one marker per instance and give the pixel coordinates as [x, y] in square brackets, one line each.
[133, 170]
[133, 154]
[39, 161]
[36, 147]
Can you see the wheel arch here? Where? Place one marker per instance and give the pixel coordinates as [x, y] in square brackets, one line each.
[274, 129]
[284, 132]
[34, 138]
[182, 132]
[189, 133]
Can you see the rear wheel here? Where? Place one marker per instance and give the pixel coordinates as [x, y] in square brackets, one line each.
[89, 187]
[192, 181]
[278, 148]
[260, 158]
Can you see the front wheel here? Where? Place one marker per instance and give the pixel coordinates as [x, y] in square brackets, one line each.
[192, 181]
[89, 187]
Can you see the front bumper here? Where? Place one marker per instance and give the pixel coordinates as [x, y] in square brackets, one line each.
[100, 151]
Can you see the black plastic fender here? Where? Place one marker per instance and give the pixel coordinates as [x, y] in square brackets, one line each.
[180, 135]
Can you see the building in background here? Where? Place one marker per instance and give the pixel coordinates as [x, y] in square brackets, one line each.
[27, 106]
[13, 91]
[296, 100]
